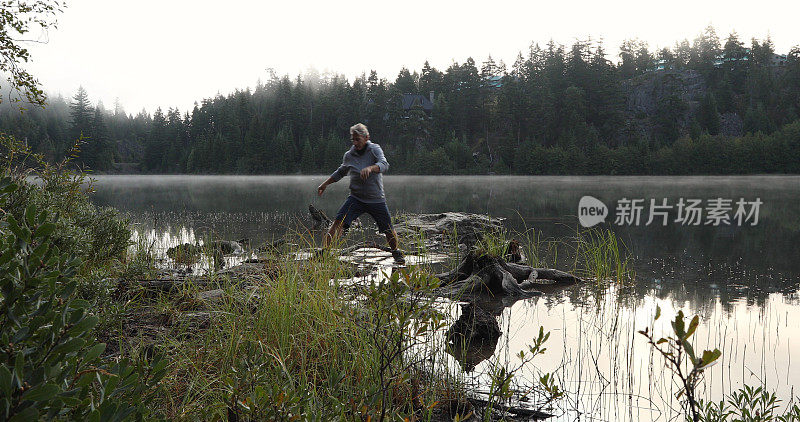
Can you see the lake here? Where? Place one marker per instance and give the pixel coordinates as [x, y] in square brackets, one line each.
[740, 276]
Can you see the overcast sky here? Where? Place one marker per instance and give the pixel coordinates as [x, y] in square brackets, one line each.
[172, 53]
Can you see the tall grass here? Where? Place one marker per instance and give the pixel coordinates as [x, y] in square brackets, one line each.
[291, 333]
[594, 254]
[296, 345]
[601, 256]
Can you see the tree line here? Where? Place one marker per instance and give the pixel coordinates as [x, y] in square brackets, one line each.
[555, 110]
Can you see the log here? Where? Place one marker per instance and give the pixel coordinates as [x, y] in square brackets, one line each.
[484, 272]
[461, 272]
[557, 276]
[519, 271]
[318, 217]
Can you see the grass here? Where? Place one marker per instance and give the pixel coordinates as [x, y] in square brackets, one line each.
[291, 345]
[594, 254]
[294, 344]
[601, 256]
[293, 335]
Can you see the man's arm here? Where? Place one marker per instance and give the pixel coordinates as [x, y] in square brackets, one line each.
[366, 171]
[321, 188]
[380, 166]
[334, 177]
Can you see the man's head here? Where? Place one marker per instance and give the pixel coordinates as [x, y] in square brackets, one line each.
[359, 135]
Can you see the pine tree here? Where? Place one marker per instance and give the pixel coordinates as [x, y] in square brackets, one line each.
[406, 82]
[307, 159]
[98, 153]
[80, 117]
[707, 114]
[156, 142]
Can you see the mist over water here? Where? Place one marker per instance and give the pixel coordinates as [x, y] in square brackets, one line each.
[741, 280]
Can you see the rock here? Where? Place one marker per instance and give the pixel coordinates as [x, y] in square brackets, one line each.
[228, 247]
[647, 95]
[731, 124]
[467, 227]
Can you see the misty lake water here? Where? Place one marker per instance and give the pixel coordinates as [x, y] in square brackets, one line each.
[741, 279]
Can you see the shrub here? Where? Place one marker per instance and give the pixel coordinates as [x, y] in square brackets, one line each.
[50, 364]
[95, 235]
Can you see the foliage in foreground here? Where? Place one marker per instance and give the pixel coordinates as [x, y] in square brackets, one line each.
[682, 359]
[96, 235]
[294, 348]
[748, 404]
[50, 366]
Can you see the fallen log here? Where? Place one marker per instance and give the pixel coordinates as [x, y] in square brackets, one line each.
[478, 272]
[318, 217]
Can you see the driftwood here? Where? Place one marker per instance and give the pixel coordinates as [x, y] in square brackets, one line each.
[481, 272]
[318, 217]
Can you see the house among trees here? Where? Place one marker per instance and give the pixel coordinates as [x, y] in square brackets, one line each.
[776, 60]
[416, 102]
[661, 64]
[494, 81]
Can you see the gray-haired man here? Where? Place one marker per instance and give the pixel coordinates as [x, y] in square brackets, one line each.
[365, 163]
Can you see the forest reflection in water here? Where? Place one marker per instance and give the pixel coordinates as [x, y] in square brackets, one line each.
[741, 280]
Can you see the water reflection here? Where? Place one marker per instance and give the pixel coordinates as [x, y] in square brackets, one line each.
[610, 373]
[473, 338]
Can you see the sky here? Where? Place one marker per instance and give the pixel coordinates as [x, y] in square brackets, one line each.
[172, 53]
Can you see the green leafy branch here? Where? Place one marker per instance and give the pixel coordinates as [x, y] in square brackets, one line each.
[683, 361]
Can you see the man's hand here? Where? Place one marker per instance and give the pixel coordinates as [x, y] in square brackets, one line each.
[365, 172]
[321, 188]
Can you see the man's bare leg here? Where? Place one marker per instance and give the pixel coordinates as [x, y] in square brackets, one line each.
[391, 239]
[333, 233]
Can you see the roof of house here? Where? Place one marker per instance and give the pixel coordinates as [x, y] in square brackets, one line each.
[415, 100]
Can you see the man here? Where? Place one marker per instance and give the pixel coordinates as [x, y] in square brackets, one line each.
[365, 164]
